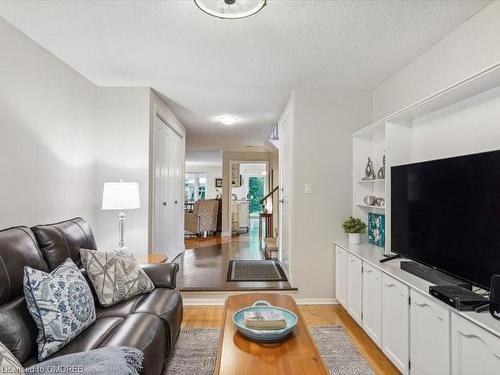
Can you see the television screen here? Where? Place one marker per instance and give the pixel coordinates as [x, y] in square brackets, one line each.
[446, 214]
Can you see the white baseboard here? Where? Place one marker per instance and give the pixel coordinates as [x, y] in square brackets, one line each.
[225, 234]
[316, 301]
[219, 298]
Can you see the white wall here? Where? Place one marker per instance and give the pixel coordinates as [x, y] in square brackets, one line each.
[322, 146]
[61, 138]
[122, 152]
[469, 127]
[212, 173]
[468, 49]
[46, 144]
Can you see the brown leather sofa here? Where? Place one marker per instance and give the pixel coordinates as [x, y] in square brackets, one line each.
[150, 322]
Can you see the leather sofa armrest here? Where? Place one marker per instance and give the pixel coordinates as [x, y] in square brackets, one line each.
[162, 275]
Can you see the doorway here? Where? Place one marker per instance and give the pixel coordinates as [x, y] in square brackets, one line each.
[249, 187]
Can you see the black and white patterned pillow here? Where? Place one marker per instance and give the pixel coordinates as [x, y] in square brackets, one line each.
[115, 276]
[61, 304]
[8, 363]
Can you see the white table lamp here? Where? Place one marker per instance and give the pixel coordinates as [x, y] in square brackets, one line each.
[121, 196]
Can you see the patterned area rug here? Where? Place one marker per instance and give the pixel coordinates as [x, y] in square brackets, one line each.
[255, 270]
[196, 350]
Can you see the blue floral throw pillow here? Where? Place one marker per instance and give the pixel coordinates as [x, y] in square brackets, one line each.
[61, 304]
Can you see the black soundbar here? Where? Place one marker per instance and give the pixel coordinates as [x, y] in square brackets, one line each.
[432, 275]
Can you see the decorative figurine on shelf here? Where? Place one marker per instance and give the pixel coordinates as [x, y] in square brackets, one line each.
[369, 171]
[381, 171]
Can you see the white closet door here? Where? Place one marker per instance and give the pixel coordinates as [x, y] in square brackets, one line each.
[162, 172]
[177, 199]
[169, 182]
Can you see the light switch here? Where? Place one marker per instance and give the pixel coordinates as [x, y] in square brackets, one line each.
[308, 188]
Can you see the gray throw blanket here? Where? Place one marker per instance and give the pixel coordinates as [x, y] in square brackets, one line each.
[104, 361]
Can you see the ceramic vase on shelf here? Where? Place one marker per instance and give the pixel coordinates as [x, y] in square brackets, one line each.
[354, 238]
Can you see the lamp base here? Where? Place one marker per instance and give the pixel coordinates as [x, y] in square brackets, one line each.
[121, 230]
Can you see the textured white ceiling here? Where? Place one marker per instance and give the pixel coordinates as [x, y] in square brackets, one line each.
[205, 66]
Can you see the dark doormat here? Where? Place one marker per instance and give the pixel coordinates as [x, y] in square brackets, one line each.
[255, 270]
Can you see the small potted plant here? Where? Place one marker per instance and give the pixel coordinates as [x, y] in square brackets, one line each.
[354, 227]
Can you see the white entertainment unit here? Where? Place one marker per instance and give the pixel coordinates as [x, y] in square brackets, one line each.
[410, 326]
[417, 332]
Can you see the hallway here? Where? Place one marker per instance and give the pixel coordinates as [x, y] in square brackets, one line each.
[204, 265]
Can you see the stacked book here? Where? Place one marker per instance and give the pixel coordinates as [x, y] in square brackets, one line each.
[265, 320]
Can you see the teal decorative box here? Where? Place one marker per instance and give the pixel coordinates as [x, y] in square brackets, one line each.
[376, 229]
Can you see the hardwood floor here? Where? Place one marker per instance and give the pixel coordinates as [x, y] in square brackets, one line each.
[205, 266]
[314, 315]
[197, 242]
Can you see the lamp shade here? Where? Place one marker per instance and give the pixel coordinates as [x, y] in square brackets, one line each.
[120, 196]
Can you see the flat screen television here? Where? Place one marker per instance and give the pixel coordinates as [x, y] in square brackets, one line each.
[446, 214]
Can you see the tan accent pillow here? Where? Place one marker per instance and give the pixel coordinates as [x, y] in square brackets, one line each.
[114, 275]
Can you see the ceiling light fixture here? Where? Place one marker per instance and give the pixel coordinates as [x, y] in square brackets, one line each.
[230, 9]
[228, 119]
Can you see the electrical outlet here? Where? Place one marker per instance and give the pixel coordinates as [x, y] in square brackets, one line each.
[308, 188]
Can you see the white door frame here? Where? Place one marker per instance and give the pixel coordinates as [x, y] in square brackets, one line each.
[230, 194]
[288, 112]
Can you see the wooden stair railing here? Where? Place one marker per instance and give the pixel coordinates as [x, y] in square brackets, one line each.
[269, 194]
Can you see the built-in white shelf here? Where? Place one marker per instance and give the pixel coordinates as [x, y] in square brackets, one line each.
[400, 136]
[369, 181]
[370, 206]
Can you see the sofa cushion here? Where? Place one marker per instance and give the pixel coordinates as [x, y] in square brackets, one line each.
[121, 309]
[61, 304]
[92, 337]
[139, 330]
[146, 333]
[162, 302]
[18, 248]
[18, 330]
[114, 276]
[63, 240]
[166, 304]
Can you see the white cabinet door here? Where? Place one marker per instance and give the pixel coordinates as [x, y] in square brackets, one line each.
[474, 351]
[372, 302]
[355, 287]
[341, 275]
[395, 311]
[430, 336]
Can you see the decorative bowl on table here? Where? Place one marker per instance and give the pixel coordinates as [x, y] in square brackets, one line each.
[268, 335]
